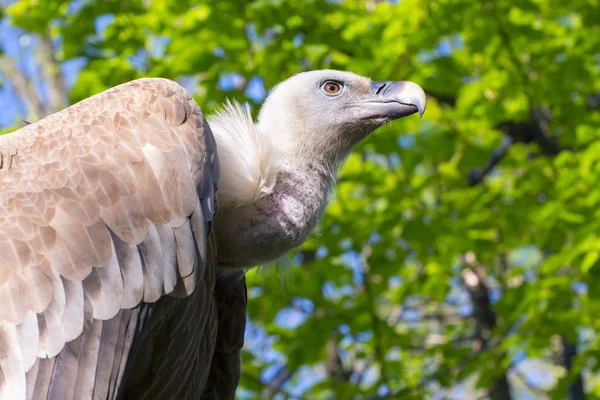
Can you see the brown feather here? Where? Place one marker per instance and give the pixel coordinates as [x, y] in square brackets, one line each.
[130, 264]
[88, 361]
[152, 259]
[104, 289]
[107, 205]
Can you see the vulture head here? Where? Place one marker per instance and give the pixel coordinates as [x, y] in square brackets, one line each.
[326, 113]
[277, 173]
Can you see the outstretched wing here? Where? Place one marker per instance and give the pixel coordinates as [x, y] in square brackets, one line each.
[103, 206]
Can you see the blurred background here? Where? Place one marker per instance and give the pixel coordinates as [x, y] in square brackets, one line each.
[460, 255]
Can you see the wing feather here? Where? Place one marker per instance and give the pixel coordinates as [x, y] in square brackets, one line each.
[28, 336]
[105, 205]
[66, 364]
[187, 261]
[74, 316]
[31, 379]
[42, 378]
[103, 287]
[152, 258]
[106, 357]
[130, 264]
[169, 250]
[88, 361]
[11, 364]
[52, 335]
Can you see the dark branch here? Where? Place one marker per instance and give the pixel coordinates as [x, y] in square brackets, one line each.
[478, 174]
[576, 391]
[485, 319]
[377, 336]
[335, 368]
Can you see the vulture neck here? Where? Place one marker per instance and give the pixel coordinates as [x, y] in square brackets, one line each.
[271, 191]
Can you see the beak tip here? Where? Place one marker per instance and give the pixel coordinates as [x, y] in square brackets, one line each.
[408, 93]
[420, 100]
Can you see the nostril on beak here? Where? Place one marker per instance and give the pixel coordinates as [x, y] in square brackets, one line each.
[381, 88]
[378, 88]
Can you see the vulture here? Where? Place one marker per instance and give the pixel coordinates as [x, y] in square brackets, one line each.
[127, 222]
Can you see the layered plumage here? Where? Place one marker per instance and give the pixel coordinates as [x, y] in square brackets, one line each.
[104, 206]
[117, 277]
[248, 152]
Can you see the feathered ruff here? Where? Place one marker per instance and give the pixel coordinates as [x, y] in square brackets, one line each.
[248, 161]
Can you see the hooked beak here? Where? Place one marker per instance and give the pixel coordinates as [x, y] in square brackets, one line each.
[398, 99]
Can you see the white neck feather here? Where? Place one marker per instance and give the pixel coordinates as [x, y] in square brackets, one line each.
[249, 160]
[251, 157]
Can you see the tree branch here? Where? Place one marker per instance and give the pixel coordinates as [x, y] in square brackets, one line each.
[485, 318]
[335, 368]
[51, 74]
[275, 386]
[576, 391]
[477, 175]
[23, 88]
[377, 337]
[279, 390]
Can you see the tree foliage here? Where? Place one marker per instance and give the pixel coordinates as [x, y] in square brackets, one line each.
[459, 252]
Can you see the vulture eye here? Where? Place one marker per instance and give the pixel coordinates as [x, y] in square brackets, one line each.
[331, 87]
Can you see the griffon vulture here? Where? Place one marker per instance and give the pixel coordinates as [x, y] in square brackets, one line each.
[118, 278]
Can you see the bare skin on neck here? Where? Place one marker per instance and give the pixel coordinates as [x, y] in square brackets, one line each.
[260, 232]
